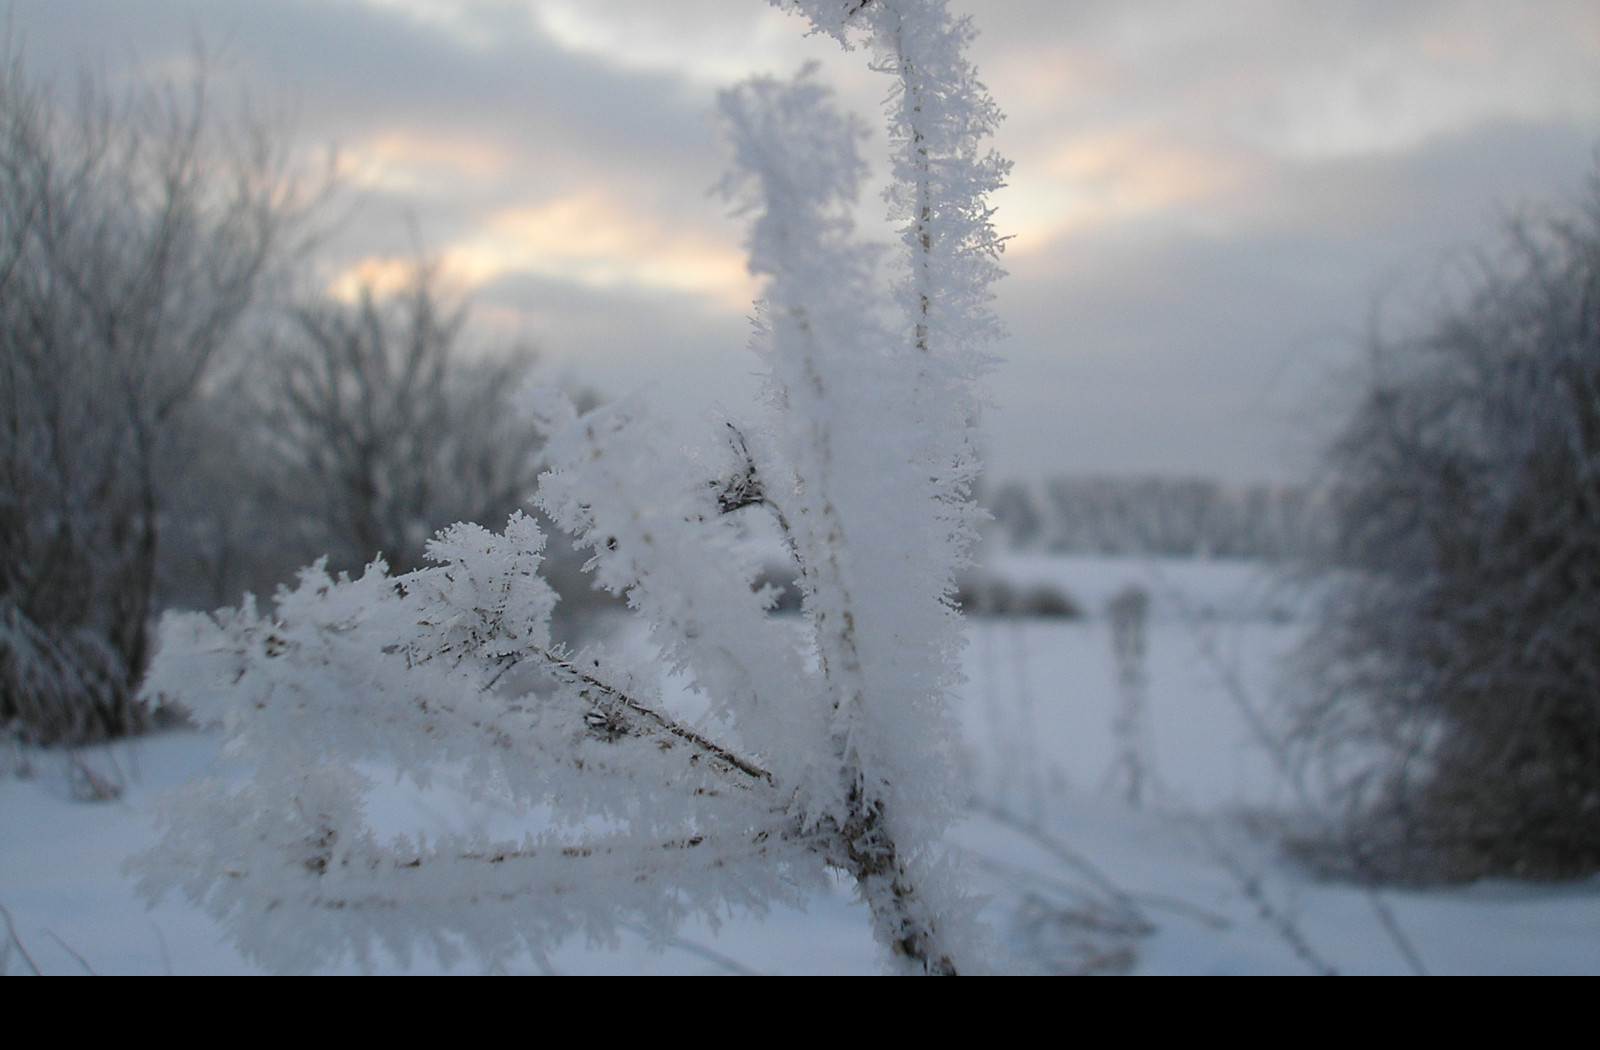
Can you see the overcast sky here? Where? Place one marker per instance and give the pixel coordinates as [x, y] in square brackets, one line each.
[1211, 203]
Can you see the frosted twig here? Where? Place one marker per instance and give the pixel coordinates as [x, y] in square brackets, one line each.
[1072, 858]
[70, 950]
[1233, 685]
[1250, 885]
[13, 940]
[1240, 694]
[166, 956]
[710, 955]
[1397, 934]
[644, 720]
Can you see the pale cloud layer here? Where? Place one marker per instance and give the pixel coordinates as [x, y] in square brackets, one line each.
[1210, 200]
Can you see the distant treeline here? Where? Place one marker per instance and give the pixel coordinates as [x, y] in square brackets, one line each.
[1180, 517]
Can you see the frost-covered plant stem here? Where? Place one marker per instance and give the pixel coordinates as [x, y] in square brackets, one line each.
[864, 845]
[828, 748]
[919, 234]
[939, 114]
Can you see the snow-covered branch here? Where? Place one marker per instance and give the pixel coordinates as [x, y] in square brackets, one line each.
[829, 746]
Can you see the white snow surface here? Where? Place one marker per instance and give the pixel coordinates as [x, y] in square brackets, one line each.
[1077, 881]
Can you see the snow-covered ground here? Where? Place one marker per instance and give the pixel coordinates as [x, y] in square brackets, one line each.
[1077, 880]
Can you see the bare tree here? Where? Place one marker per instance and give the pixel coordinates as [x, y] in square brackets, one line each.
[358, 430]
[1461, 642]
[389, 428]
[135, 234]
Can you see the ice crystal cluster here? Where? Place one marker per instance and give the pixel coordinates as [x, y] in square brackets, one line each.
[823, 746]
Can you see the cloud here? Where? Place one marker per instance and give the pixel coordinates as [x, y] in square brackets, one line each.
[409, 162]
[1156, 347]
[1202, 188]
[715, 41]
[1111, 176]
[1306, 79]
[587, 238]
[1203, 117]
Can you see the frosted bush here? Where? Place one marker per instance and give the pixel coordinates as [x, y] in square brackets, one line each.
[827, 750]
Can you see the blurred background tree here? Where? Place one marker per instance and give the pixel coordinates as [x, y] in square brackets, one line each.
[386, 431]
[136, 234]
[1460, 642]
[176, 428]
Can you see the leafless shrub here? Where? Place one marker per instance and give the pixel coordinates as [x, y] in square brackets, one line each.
[1457, 663]
[390, 428]
[135, 233]
[380, 421]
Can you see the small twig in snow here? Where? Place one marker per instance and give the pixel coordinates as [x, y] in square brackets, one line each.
[166, 957]
[70, 950]
[1392, 927]
[711, 955]
[1250, 885]
[1228, 674]
[1071, 857]
[12, 940]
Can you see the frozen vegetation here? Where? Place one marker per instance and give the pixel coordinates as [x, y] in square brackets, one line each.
[819, 753]
[1189, 883]
[788, 756]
